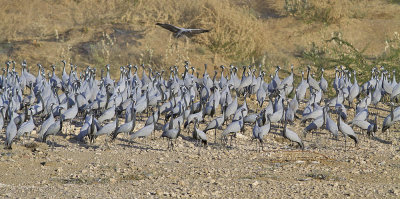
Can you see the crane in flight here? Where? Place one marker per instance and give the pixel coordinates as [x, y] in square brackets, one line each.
[178, 32]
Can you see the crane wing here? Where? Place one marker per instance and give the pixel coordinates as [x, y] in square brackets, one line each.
[196, 31]
[169, 27]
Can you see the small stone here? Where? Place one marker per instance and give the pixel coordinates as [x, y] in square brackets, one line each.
[181, 183]
[113, 180]
[216, 194]
[396, 192]
[254, 184]
[59, 169]
[84, 171]
[241, 136]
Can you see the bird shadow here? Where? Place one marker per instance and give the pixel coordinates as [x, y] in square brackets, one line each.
[51, 143]
[77, 123]
[381, 140]
[81, 143]
[187, 138]
[129, 143]
[158, 126]
[381, 109]
[143, 148]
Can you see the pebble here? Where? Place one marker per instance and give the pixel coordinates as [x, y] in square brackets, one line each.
[254, 184]
[181, 183]
[113, 180]
[59, 169]
[241, 136]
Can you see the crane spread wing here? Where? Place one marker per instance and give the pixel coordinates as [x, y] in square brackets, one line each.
[191, 32]
[169, 27]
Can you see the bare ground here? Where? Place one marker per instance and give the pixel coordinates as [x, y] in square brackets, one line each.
[145, 168]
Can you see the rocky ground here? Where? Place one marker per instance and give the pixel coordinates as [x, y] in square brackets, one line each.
[145, 168]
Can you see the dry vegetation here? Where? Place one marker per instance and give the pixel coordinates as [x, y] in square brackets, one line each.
[269, 32]
[97, 32]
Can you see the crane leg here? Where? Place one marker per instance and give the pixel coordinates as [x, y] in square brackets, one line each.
[198, 146]
[23, 139]
[52, 143]
[107, 142]
[262, 145]
[215, 136]
[235, 141]
[386, 134]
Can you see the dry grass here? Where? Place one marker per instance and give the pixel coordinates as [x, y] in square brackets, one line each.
[98, 32]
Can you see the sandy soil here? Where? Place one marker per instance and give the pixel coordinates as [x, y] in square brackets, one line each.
[145, 168]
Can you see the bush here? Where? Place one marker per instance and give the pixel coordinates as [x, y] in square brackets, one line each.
[337, 51]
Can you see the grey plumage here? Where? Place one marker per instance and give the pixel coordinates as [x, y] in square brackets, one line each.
[11, 131]
[260, 131]
[332, 127]
[127, 127]
[107, 114]
[198, 134]
[144, 132]
[346, 130]
[178, 32]
[215, 124]
[292, 136]
[26, 127]
[107, 129]
[172, 134]
[46, 124]
[53, 129]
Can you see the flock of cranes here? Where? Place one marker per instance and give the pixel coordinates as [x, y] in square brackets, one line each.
[54, 104]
